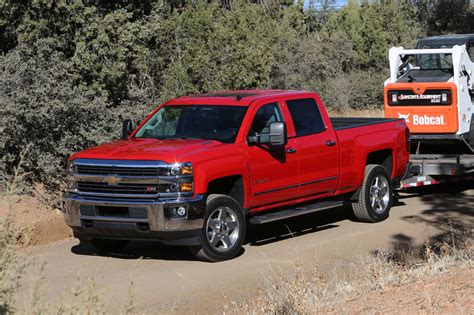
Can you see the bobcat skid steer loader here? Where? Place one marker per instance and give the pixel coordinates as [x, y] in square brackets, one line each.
[432, 88]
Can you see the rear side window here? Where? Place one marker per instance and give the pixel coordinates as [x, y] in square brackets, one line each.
[306, 116]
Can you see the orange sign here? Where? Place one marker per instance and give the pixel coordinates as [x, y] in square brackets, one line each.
[427, 107]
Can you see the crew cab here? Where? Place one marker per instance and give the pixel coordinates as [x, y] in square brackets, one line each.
[200, 168]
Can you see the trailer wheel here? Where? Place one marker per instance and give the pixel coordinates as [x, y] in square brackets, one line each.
[105, 246]
[375, 195]
[223, 231]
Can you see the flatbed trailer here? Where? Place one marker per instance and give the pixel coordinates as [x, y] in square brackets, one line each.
[432, 169]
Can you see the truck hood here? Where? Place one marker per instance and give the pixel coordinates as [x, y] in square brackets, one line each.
[168, 151]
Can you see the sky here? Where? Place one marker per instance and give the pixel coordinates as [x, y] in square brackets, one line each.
[316, 4]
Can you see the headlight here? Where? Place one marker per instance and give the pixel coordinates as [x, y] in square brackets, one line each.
[71, 168]
[181, 169]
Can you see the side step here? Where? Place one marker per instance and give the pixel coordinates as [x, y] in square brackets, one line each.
[288, 213]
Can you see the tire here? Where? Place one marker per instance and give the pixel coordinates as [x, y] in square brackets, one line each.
[223, 231]
[105, 246]
[375, 195]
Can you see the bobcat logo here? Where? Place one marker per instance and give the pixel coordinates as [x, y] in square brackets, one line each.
[406, 117]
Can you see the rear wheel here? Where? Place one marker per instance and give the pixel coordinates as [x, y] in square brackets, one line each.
[375, 195]
[223, 231]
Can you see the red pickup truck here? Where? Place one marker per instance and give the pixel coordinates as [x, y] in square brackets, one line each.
[200, 168]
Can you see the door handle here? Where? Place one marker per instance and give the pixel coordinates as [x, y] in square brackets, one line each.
[330, 143]
[290, 150]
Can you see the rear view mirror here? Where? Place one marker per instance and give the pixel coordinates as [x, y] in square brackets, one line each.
[127, 128]
[278, 134]
[276, 137]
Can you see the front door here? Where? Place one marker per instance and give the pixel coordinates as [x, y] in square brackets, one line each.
[273, 171]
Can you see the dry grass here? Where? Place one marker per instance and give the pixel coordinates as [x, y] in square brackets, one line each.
[82, 296]
[307, 290]
[11, 265]
[14, 184]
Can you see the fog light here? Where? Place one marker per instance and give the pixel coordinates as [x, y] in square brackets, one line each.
[186, 187]
[181, 211]
[178, 212]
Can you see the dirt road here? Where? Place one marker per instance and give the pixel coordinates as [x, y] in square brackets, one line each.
[169, 279]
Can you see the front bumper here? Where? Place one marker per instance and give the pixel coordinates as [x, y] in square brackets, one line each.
[134, 219]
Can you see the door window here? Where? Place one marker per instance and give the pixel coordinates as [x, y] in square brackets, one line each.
[306, 116]
[266, 115]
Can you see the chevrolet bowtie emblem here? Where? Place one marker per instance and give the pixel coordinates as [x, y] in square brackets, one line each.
[112, 180]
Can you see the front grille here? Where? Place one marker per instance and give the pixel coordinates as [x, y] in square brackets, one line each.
[120, 170]
[123, 189]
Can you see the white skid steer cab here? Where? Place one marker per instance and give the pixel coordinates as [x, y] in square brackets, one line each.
[432, 88]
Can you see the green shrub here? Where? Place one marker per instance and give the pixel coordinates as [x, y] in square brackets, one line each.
[41, 108]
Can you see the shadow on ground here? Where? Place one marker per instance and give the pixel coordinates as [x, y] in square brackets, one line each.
[256, 236]
[450, 210]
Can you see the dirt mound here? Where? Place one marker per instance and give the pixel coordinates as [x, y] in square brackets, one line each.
[42, 224]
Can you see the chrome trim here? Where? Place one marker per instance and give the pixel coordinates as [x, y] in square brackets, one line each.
[142, 196]
[156, 217]
[113, 219]
[119, 179]
[118, 163]
[295, 185]
[318, 180]
[133, 179]
[132, 202]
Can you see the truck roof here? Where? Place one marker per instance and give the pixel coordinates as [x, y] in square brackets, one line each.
[448, 40]
[236, 98]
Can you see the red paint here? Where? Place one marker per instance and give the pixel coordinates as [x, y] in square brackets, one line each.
[264, 175]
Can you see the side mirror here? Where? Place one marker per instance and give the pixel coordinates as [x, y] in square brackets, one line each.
[127, 128]
[277, 134]
[276, 137]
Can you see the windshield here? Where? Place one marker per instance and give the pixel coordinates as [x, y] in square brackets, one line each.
[429, 68]
[209, 122]
[435, 62]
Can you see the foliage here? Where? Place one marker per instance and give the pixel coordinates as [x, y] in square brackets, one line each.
[71, 70]
[40, 108]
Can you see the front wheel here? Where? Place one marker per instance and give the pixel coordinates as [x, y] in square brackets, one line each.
[375, 195]
[223, 232]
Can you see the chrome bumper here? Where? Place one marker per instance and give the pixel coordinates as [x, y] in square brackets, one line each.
[144, 219]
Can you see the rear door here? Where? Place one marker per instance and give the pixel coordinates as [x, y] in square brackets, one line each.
[315, 143]
[273, 171]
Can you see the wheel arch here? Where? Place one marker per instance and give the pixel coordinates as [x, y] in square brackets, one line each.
[232, 186]
[381, 157]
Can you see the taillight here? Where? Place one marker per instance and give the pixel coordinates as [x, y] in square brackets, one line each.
[446, 97]
[392, 97]
[407, 138]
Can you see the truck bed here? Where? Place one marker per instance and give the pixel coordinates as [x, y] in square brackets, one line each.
[340, 123]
